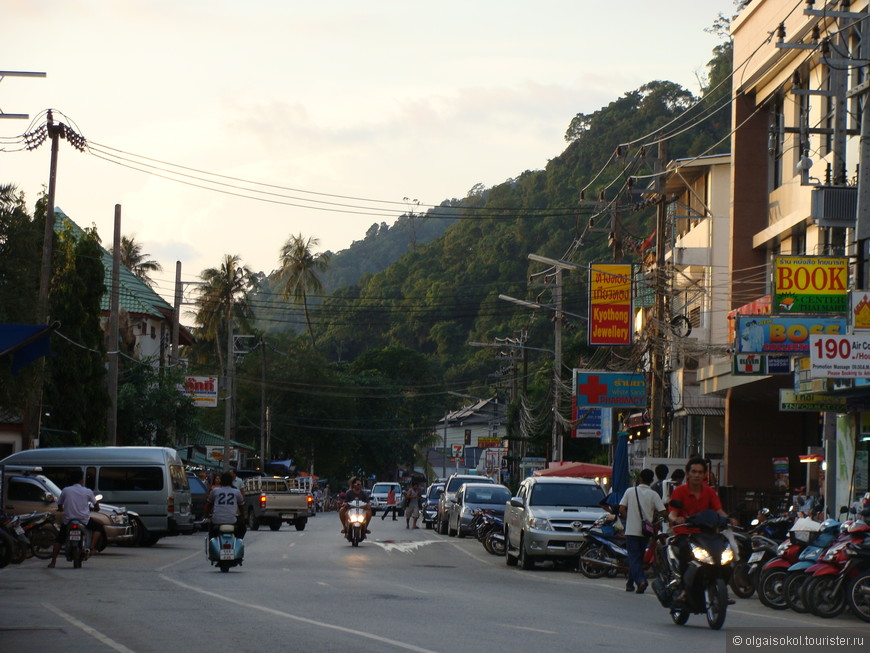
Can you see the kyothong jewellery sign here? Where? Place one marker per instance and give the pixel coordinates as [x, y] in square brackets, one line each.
[610, 304]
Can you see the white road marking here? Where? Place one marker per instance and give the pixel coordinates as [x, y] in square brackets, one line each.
[96, 634]
[187, 557]
[252, 606]
[534, 630]
[404, 547]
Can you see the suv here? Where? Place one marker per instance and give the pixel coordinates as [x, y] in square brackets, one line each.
[379, 494]
[451, 487]
[545, 520]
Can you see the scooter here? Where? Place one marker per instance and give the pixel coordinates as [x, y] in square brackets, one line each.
[706, 576]
[224, 549]
[772, 577]
[797, 576]
[356, 522]
[603, 551]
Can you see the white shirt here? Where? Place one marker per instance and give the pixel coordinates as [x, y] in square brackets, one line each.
[76, 501]
[650, 503]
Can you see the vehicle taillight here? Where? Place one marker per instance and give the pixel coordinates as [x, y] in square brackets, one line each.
[262, 500]
[310, 499]
[170, 505]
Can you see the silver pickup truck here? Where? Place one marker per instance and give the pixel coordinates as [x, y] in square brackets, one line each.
[544, 521]
[271, 501]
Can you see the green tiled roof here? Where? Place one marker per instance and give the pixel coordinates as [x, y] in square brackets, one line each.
[135, 295]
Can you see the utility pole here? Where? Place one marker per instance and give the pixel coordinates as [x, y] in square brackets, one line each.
[658, 426]
[264, 415]
[557, 453]
[230, 382]
[113, 353]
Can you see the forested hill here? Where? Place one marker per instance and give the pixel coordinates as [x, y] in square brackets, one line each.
[443, 294]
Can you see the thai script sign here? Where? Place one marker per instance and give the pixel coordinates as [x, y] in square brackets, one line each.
[811, 284]
[794, 403]
[203, 390]
[840, 356]
[610, 319]
[598, 388]
[860, 310]
[782, 334]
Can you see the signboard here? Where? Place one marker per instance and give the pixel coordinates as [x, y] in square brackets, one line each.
[811, 284]
[783, 334]
[780, 473]
[761, 364]
[610, 319]
[840, 357]
[203, 390]
[806, 403]
[592, 422]
[457, 451]
[860, 311]
[217, 454]
[488, 442]
[760, 306]
[597, 388]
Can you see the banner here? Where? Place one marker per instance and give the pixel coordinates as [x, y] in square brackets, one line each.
[782, 334]
[608, 389]
[790, 402]
[840, 357]
[610, 318]
[203, 390]
[811, 284]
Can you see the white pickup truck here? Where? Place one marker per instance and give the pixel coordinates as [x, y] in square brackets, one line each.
[271, 500]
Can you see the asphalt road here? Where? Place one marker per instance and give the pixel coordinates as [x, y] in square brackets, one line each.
[401, 590]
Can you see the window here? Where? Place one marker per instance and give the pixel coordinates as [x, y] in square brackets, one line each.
[63, 475]
[25, 490]
[776, 139]
[179, 478]
[131, 479]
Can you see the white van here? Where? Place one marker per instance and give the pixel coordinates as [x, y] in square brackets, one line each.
[147, 480]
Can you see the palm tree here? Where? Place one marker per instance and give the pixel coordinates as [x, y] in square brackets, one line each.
[299, 272]
[137, 261]
[225, 288]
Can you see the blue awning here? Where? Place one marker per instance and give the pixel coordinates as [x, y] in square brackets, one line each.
[25, 342]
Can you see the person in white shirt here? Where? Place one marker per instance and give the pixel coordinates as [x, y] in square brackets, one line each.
[76, 501]
[639, 504]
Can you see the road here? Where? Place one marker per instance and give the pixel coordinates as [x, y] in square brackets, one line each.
[402, 590]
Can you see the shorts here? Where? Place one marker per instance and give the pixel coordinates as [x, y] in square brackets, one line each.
[92, 525]
[412, 512]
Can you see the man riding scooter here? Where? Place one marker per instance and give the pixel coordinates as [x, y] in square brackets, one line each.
[355, 493]
[694, 495]
[76, 501]
[224, 506]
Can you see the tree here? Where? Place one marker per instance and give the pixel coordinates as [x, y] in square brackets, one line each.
[137, 261]
[300, 269]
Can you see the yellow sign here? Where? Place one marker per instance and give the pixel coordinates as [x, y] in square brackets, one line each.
[860, 310]
[810, 284]
[610, 320]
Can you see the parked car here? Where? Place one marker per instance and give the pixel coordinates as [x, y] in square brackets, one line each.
[451, 487]
[545, 520]
[430, 504]
[379, 494]
[472, 497]
[198, 495]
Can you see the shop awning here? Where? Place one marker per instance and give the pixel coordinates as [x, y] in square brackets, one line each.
[25, 342]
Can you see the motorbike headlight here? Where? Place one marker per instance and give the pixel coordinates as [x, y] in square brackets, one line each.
[357, 519]
[781, 549]
[702, 555]
[540, 524]
[727, 556]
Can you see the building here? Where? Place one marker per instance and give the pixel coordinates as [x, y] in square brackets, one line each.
[471, 431]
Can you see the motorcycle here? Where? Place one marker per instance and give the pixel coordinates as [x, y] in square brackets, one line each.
[706, 576]
[33, 534]
[796, 575]
[77, 545]
[774, 573]
[224, 550]
[603, 551]
[488, 528]
[858, 590]
[356, 522]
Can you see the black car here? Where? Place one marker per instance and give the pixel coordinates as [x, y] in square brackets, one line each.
[430, 503]
[198, 494]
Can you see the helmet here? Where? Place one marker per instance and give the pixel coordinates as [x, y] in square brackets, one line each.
[830, 526]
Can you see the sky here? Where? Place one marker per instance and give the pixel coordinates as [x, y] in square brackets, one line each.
[347, 112]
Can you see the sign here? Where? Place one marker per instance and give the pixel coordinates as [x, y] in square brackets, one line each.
[217, 454]
[860, 311]
[457, 451]
[790, 402]
[591, 422]
[203, 390]
[597, 388]
[811, 458]
[783, 334]
[761, 364]
[780, 473]
[488, 442]
[760, 306]
[778, 364]
[840, 357]
[811, 284]
[610, 319]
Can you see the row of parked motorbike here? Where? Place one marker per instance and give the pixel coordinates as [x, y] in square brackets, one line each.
[26, 536]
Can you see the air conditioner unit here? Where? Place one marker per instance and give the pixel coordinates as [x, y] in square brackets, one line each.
[834, 206]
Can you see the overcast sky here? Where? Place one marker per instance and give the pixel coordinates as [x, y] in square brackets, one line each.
[365, 99]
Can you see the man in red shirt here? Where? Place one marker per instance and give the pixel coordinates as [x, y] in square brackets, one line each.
[695, 496]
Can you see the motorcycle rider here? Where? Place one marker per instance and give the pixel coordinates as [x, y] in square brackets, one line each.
[224, 505]
[76, 500]
[355, 493]
[695, 496]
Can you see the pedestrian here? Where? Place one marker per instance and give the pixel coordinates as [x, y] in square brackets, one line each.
[412, 504]
[639, 504]
[391, 504]
[659, 485]
[238, 483]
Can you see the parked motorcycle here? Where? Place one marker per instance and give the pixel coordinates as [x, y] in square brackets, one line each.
[33, 534]
[706, 576]
[224, 550]
[858, 590]
[797, 573]
[603, 551]
[356, 522]
[488, 528]
[772, 577]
